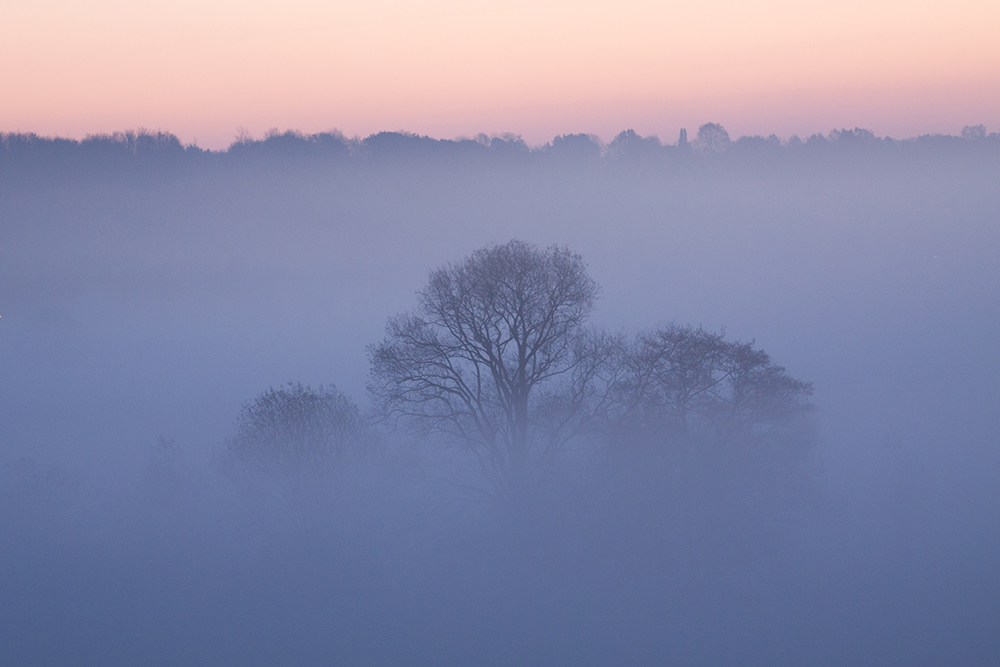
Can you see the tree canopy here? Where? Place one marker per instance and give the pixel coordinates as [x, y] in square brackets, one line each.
[295, 428]
[488, 333]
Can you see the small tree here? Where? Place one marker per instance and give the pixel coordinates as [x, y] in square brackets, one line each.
[721, 414]
[692, 386]
[295, 428]
[712, 138]
[494, 338]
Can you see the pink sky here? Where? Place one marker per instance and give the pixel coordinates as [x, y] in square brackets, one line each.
[455, 67]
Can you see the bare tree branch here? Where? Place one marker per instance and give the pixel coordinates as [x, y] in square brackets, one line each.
[489, 333]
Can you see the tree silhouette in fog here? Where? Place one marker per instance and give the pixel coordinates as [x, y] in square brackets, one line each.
[727, 422]
[631, 147]
[692, 381]
[295, 428]
[490, 333]
[581, 148]
[712, 138]
[497, 357]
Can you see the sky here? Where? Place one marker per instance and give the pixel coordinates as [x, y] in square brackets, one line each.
[450, 68]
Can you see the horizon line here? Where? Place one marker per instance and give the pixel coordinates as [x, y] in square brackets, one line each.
[244, 136]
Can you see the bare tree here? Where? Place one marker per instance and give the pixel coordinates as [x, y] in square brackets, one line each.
[496, 343]
[720, 413]
[761, 400]
[693, 386]
[295, 428]
[673, 372]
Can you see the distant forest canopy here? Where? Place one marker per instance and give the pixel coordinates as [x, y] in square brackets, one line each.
[711, 143]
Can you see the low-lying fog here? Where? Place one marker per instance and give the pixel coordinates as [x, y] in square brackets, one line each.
[148, 292]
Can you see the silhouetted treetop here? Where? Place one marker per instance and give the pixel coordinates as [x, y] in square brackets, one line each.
[575, 148]
[630, 146]
[712, 138]
[295, 429]
[292, 145]
[489, 333]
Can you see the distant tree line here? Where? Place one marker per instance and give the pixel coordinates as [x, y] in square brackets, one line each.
[22, 151]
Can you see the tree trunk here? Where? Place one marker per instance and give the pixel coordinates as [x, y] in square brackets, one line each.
[519, 442]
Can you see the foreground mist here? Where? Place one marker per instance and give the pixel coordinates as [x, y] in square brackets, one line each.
[148, 291]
